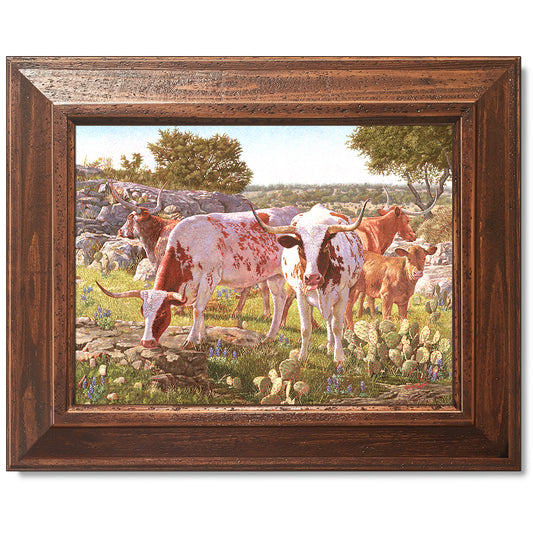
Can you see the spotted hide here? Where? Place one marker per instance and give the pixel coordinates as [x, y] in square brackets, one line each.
[204, 251]
[322, 259]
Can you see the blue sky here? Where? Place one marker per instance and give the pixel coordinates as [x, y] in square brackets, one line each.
[275, 154]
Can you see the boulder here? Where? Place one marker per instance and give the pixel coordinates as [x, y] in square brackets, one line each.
[145, 271]
[87, 244]
[115, 214]
[120, 253]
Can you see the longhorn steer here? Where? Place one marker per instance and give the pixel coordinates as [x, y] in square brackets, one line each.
[204, 251]
[393, 279]
[377, 234]
[153, 233]
[322, 260]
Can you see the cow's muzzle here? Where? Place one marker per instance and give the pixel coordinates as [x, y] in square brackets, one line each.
[152, 343]
[312, 281]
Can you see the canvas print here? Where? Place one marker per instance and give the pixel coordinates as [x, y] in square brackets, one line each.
[264, 265]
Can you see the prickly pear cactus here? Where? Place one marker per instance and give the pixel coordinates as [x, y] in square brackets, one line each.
[386, 326]
[277, 385]
[424, 335]
[414, 328]
[445, 346]
[392, 339]
[271, 399]
[404, 327]
[263, 383]
[301, 388]
[361, 329]
[409, 367]
[435, 356]
[396, 357]
[382, 350]
[436, 337]
[422, 355]
[434, 317]
[373, 335]
[289, 369]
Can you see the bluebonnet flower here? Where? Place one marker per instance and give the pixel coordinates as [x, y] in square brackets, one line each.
[339, 369]
[217, 352]
[102, 380]
[363, 387]
[329, 381]
[89, 394]
[84, 290]
[281, 338]
[328, 388]
[211, 351]
[84, 383]
[83, 296]
[286, 341]
[96, 314]
[349, 388]
[94, 382]
[219, 294]
[234, 354]
[227, 295]
[440, 362]
[89, 289]
[225, 353]
[219, 343]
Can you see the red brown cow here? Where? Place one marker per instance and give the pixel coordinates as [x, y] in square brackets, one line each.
[377, 234]
[153, 233]
[392, 279]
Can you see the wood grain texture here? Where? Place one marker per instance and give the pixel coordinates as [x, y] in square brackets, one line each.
[48, 97]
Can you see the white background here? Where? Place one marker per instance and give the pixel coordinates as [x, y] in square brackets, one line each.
[321, 502]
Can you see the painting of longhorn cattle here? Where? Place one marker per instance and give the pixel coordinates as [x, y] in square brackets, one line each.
[264, 265]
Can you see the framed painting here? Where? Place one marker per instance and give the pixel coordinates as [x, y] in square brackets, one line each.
[263, 263]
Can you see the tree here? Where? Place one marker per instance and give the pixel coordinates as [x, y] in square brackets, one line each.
[134, 170]
[189, 161]
[418, 154]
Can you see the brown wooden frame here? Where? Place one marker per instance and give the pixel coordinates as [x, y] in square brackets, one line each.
[47, 97]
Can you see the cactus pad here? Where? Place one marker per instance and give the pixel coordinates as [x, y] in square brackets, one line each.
[392, 339]
[361, 330]
[301, 388]
[409, 367]
[435, 356]
[445, 346]
[414, 329]
[372, 335]
[289, 369]
[404, 327]
[422, 355]
[271, 399]
[424, 334]
[386, 326]
[396, 357]
[277, 385]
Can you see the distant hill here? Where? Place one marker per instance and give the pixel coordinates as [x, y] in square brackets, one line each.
[344, 198]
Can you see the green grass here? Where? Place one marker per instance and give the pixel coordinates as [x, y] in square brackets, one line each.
[250, 362]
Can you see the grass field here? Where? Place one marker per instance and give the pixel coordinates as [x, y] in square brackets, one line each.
[328, 382]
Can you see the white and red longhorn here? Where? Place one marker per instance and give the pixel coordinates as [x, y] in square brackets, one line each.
[322, 259]
[204, 251]
[153, 233]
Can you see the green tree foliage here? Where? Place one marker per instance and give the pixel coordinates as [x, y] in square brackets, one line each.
[417, 154]
[189, 161]
[134, 170]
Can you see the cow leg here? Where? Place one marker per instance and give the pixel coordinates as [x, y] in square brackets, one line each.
[348, 315]
[306, 328]
[371, 305]
[276, 284]
[265, 293]
[402, 309]
[240, 304]
[386, 304]
[329, 328]
[205, 290]
[337, 322]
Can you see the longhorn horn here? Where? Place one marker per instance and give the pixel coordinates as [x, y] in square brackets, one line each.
[338, 228]
[387, 205]
[181, 298]
[277, 230]
[159, 203]
[416, 213]
[123, 202]
[126, 294]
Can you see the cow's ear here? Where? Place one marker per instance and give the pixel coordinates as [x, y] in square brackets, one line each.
[431, 250]
[401, 252]
[288, 241]
[397, 211]
[145, 214]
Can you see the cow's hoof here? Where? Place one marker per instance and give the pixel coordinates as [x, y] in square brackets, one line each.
[187, 345]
